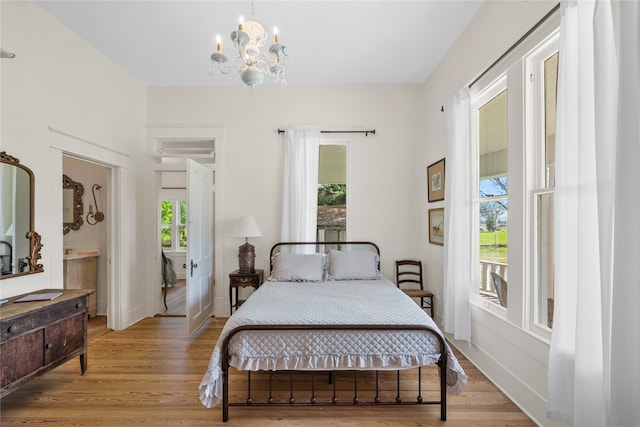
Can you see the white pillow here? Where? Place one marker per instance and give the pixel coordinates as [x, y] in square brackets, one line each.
[357, 265]
[297, 268]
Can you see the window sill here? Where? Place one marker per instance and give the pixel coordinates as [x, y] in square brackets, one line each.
[538, 333]
[487, 305]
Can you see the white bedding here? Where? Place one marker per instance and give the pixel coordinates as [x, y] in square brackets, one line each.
[335, 303]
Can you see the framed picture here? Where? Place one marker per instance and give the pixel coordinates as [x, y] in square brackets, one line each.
[435, 181]
[436, 226]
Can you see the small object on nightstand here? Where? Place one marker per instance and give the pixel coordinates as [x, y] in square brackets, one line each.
[246, 227]
[238, 279]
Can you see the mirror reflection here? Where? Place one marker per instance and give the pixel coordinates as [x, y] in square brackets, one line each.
[19, 243]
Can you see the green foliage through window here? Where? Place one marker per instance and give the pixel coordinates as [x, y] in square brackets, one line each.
[332, 194]
[168, 227]
[167, 211]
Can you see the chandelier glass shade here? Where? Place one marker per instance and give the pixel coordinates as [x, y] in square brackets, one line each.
[251, 61]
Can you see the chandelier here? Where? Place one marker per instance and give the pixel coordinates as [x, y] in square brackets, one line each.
[251, 62]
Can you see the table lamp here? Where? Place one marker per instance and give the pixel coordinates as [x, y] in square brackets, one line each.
[246, 227]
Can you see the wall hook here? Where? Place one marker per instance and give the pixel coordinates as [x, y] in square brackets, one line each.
[98, 216]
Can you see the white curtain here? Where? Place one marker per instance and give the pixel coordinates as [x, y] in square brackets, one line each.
[624, 408]
[594, 376]
[300, 185]
[458, 211]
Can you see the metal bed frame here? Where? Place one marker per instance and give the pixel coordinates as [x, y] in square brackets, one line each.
[334, 401]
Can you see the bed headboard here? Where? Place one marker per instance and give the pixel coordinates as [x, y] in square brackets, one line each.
[321, 247]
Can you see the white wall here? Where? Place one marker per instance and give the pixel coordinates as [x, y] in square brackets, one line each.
[512, 358]
[385, 175]
[58, 81]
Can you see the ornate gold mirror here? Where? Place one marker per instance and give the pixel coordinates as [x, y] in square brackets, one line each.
[72, 207]
[19, 243]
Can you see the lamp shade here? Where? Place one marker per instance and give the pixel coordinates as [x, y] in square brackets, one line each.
[246, 227]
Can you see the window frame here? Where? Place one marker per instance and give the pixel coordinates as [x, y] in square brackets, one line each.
[523, 174]
[337, 140]
[175, 223]
[478, 100]
[535, 143]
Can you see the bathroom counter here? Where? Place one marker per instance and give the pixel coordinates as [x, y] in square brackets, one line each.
[79, 255]
[80, 272]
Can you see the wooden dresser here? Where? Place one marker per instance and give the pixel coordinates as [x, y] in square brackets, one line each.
[38, 336]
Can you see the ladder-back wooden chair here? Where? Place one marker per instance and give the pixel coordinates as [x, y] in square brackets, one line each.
[409, 280]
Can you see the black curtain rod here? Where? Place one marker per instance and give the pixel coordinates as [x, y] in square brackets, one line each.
[508, 51]
[366, 132]
[516, 44]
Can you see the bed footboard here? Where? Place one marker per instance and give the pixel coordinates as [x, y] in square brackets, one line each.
[334, 401]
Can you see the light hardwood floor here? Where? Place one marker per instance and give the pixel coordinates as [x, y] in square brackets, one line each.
[148, 375]
[176, 300]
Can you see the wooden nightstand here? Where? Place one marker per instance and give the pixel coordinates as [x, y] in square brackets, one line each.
[242, 280]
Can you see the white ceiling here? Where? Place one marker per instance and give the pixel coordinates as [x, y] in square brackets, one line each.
[328, 42]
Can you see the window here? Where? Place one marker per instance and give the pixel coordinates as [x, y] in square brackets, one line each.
[173, 230]
[513, 124]
[542, 65]
[332, 193]
[492, 198]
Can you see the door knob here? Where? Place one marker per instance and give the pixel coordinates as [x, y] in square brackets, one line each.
[193, 265]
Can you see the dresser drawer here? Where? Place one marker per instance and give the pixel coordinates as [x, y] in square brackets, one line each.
[24, 323]
[63, 337]
[20, 357]
[245, 280]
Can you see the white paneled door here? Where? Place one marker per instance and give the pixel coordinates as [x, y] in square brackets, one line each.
[199, 245]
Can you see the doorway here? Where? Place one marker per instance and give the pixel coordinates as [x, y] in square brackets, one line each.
[173, 209]
[66, 145]
[176, 147]
[186, 211]
[86, 244]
